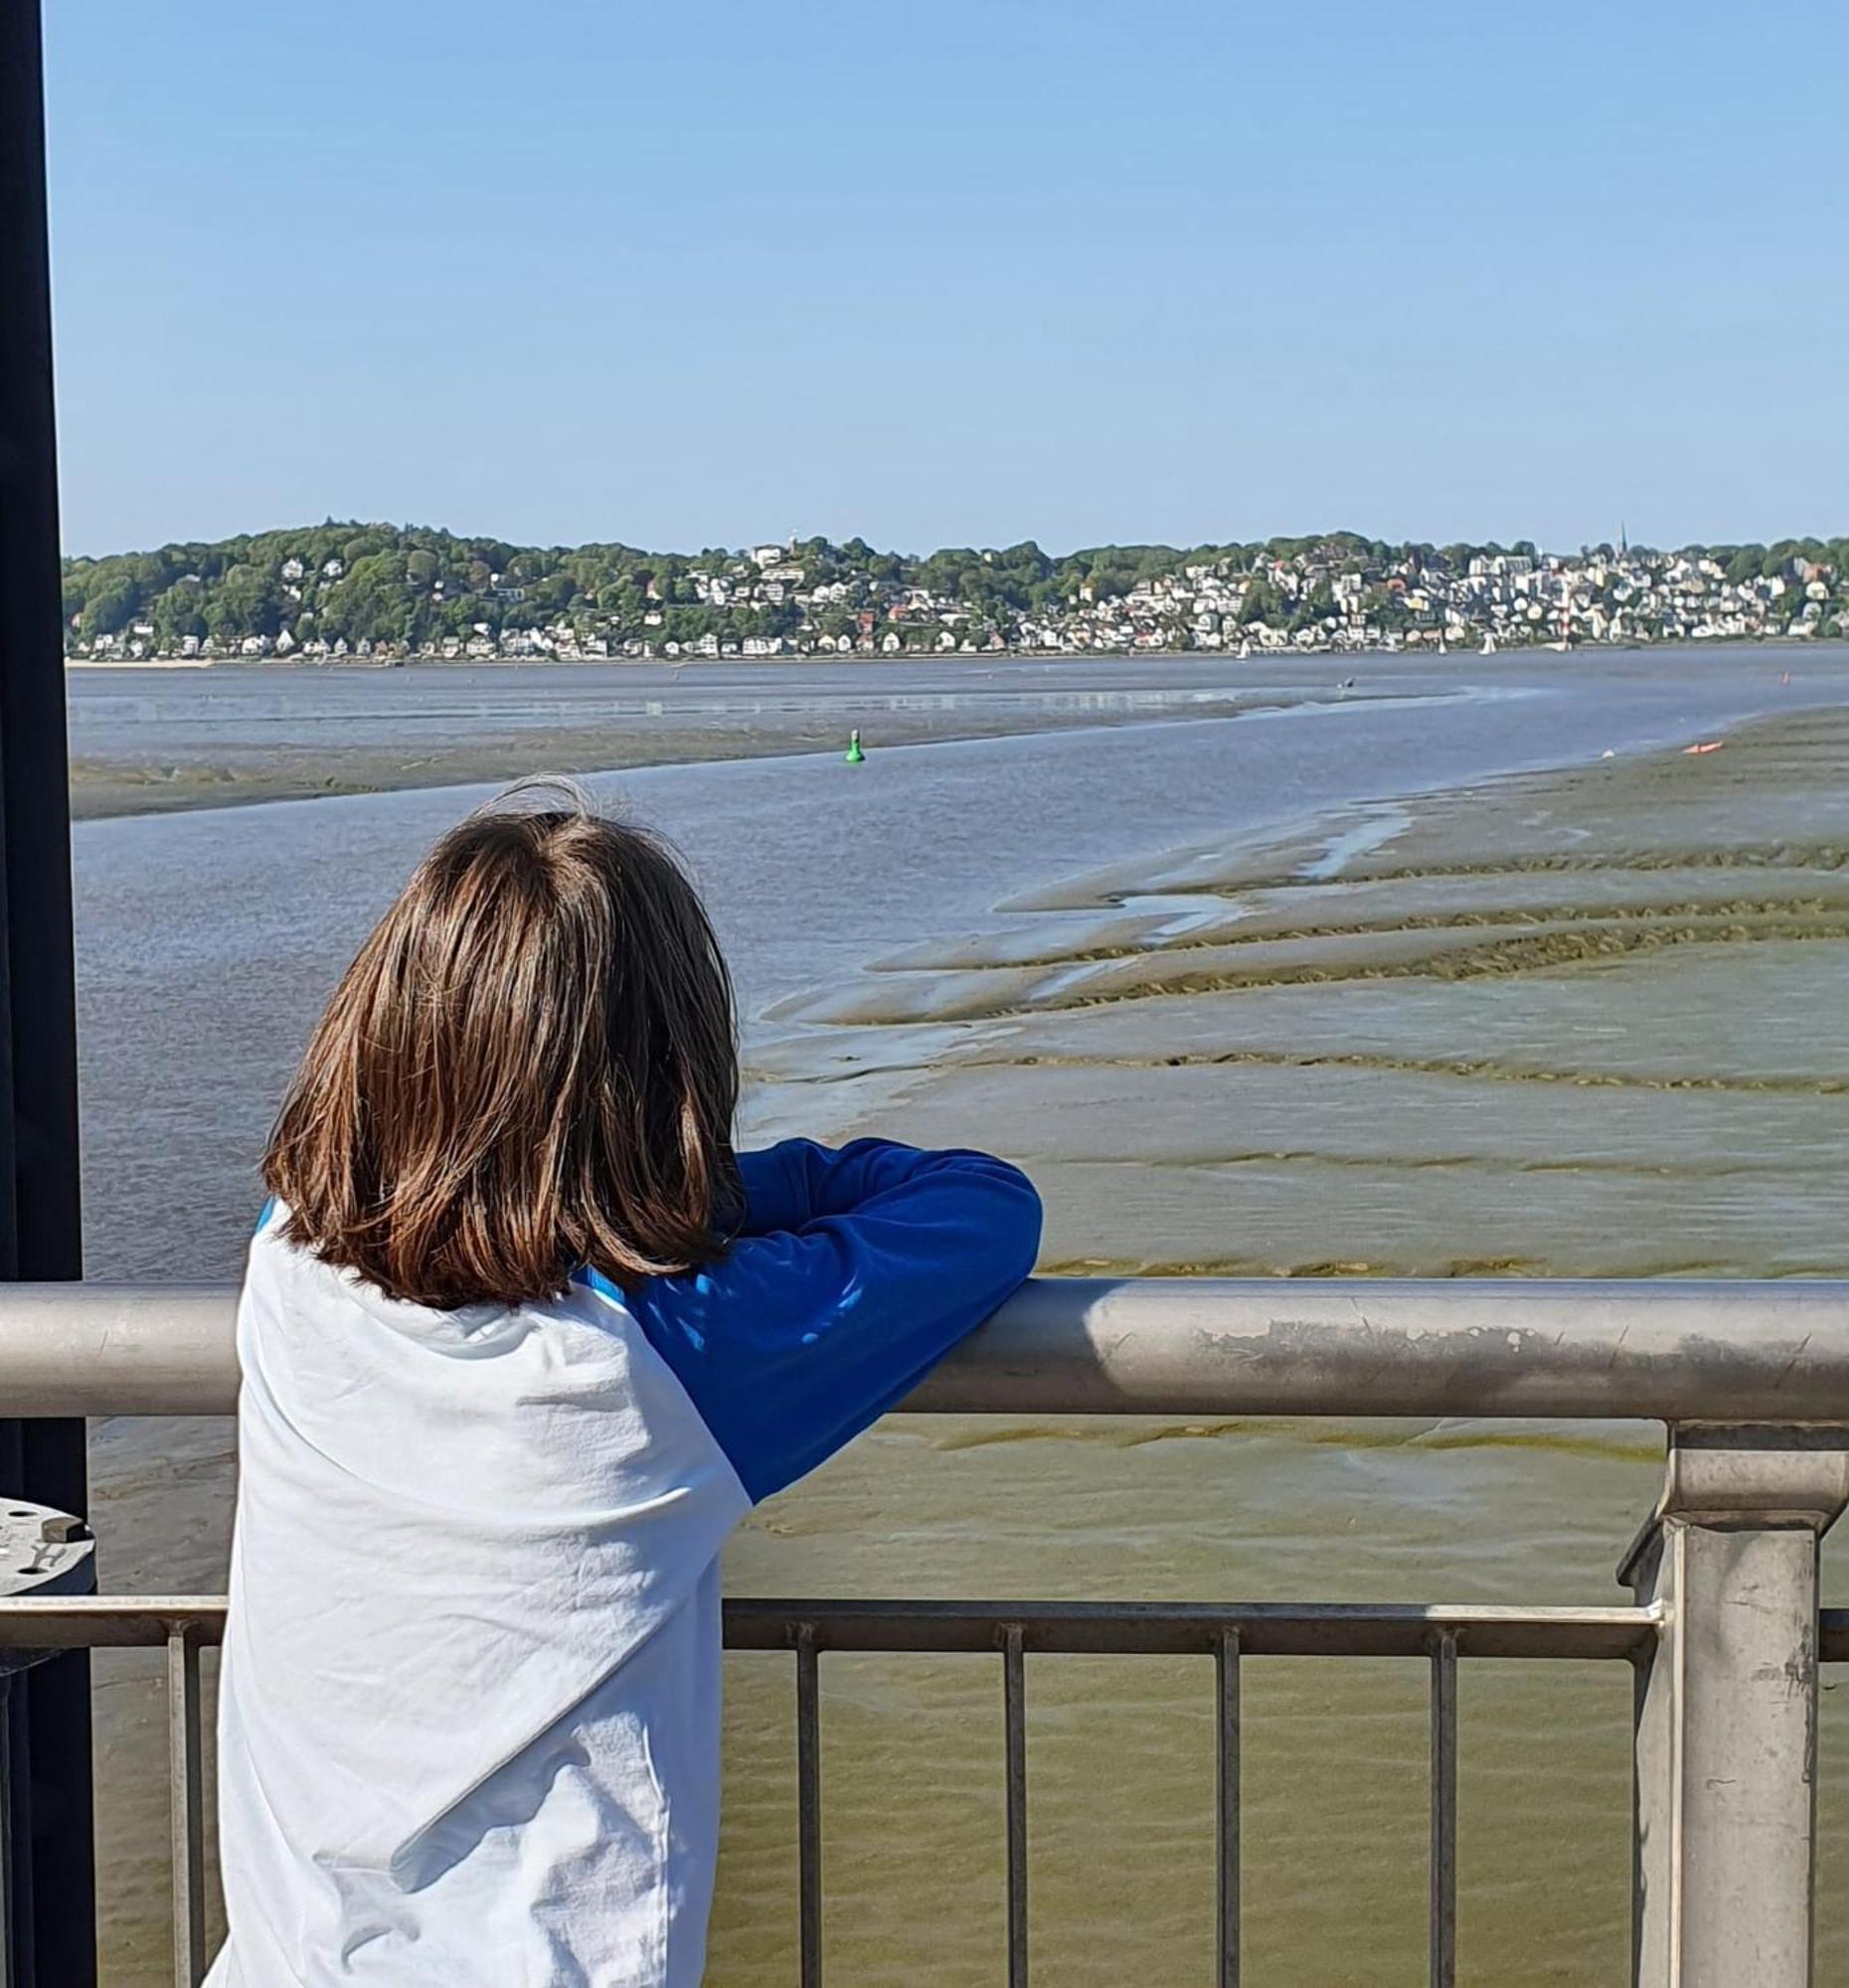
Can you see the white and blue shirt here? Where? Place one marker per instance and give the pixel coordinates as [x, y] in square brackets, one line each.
[468, 1714]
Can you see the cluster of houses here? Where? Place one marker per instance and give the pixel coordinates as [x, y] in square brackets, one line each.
[1498, 600]
[776, 600]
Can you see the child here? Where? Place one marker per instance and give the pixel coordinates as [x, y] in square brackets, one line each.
[523, 1339]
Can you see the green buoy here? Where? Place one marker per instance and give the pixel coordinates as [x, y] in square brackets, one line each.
[854, 755]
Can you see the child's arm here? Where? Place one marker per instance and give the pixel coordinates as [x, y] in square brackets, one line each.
[857, 1270]
[795, 1181]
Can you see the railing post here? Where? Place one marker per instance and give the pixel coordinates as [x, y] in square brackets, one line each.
[43, 1552]
[1725, 1844]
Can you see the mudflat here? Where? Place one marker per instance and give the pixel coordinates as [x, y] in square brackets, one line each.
[1567, 1024]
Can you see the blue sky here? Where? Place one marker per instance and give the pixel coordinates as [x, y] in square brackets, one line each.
[961, 272]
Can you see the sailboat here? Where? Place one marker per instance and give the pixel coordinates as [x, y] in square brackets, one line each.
[1489, 646]
[1244, 651]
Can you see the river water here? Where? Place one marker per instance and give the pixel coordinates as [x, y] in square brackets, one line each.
[872, 914]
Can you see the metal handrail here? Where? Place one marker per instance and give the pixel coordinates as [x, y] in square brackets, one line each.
[1667, 1351]
[1089, 1628]
[948, 1628]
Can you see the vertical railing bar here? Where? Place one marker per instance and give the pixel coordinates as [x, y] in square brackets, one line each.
[810, 1804]
[1014, 1707]
[1226, 1705]
[186, 1796]
[1444, 1809]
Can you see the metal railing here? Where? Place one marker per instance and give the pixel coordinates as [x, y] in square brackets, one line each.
[1259, 1346]
[1725, 1633]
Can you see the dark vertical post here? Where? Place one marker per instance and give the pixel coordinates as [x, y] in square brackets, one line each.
[50, 1859]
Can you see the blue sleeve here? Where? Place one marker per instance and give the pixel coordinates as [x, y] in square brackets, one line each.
[779, 1192]
[793, 1183]
[856, 1272]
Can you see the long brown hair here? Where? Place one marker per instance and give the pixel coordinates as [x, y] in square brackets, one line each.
[532, 1064]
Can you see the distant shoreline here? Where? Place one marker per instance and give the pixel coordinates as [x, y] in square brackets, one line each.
[1291, 652]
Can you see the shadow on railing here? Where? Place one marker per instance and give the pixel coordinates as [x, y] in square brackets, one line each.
[1725, 1635]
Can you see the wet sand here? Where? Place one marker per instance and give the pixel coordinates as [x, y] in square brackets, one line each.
[1561, 1025]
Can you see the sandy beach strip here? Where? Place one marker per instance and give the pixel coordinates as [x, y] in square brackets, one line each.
[109, 784]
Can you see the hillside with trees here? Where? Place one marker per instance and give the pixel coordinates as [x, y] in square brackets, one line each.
[335, 591]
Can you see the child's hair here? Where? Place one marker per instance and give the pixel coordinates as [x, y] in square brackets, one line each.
[530, 1066]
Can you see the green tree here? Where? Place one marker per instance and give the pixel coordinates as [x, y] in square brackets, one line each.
[178, 614]
[110, 607]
